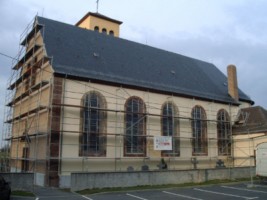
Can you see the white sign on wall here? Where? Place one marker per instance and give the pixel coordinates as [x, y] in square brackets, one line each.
[162, 143]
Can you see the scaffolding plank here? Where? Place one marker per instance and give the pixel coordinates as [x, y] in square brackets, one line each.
[28, 92]
[35, 110]
[29, 54]
[127, 112]
[28, 72]
[29, 135]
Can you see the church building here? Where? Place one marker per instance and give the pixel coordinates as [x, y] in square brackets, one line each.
[84, 100]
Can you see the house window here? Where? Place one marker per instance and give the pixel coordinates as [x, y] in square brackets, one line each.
[111, 33]
[104, 31]
[96, 28]
[25, 159]
[93, 137]
[223, 133]
[170, 127]
[33, 76]
[30, 80]
[27, 84]
[135, 127]
[199, 130]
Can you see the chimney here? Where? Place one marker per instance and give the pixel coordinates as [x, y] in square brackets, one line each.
[232, 82]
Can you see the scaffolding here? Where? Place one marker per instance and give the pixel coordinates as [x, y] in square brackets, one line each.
[24, 99]
[44, 123]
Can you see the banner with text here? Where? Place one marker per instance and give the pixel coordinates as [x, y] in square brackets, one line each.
[162, 143]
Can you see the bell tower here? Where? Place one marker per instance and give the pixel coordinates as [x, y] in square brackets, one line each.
[100, 23]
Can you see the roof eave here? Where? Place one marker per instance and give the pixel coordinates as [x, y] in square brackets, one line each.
[56, 74]
[247, 101]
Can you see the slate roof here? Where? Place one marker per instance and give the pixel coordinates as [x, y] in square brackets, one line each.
[255, 122]
[85, 54]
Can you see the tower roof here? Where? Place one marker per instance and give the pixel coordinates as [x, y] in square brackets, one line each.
[99, 16]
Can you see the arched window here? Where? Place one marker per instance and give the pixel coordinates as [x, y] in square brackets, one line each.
[111, 33]
[199, 130]
[223, 133]
[93, 137]
[135, 127]
[104, 31]
[170, 127]
[96, 28]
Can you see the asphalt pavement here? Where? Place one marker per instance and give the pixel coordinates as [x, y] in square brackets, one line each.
[234, 191]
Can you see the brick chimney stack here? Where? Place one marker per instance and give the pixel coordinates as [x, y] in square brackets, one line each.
[232, 82]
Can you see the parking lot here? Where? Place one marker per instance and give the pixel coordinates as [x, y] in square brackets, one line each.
[217, 192]
[231, 192]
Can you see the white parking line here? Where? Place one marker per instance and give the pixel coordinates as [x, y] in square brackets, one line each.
[86, 197]
[236, 188]
[135, 196]
[179, 195]
[56, 196]
[263, 186]
[225, 194]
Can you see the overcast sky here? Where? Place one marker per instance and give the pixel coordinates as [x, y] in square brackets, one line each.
[221, 32]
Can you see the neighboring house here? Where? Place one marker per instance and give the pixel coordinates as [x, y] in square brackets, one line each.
[249, 130]
[90, 101]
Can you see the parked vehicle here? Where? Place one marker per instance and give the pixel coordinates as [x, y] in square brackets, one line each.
[5, 190]
[261, 160]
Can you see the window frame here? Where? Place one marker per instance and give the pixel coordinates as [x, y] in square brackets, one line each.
[111, 32]
[223, 133]
[104, 31]
[93, 125]
[135, 127]
[25, 163]
[96, 28]
[199, 131]
[170, 127]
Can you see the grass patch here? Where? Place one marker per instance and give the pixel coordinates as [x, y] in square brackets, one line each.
[65, 190]
[145, 187]
[22, 193]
